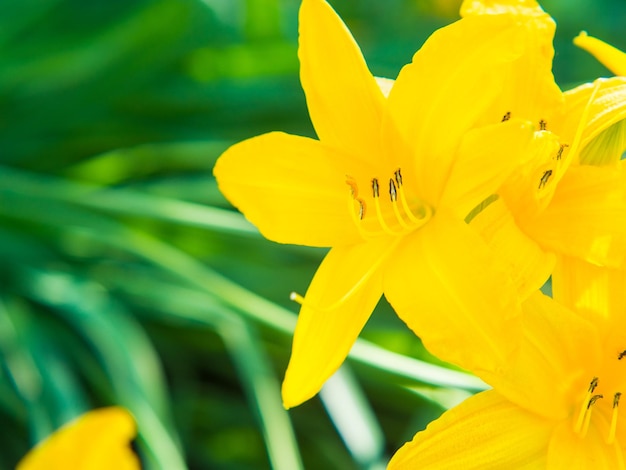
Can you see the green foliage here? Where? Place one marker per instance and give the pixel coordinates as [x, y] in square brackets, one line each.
[127, 279]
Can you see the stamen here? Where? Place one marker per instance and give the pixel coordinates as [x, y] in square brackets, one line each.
[611, 438]
[405, 204]
[354, 191]
[295, 297]
[379, 212]
[559, 154]
[544, 178]
[506, 116]
[542, 125]
[406, 219]
[621, 355]
[393, 193]
[592, 401]
[583, 410]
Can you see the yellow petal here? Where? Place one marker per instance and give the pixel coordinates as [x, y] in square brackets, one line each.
[554, 358]
[612, 58]
[530, 91]
[484, 432]
[98, 440]
[529, 266]
[292, 188]
[586, 217]
[485, 159]
[346, 288]
[569, 452]
[595, 293]
[606, 109]
[446, 285]
[343, 98]
[453, 78]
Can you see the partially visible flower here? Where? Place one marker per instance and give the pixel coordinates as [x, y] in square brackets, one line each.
[97, 440]
[557, 405]
[611, 57]
[388, 186]
[552, 204]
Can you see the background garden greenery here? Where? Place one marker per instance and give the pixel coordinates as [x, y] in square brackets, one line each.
[125, 276]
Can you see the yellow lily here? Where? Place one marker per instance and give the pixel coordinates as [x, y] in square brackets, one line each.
[97, 440]
[556, 406]
[388, 186]
[555, 203]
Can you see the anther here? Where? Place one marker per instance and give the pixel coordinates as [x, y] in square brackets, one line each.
[593, 384]
[621, 355]
[542, 125]
[559, 154]
[594, 399]
[613, 428]
[375, 191]
[393, 193]
[544, 178]
[398, 175]
[506, 116]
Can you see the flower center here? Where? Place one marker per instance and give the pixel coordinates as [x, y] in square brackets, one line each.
[395, 216]
[593, 399]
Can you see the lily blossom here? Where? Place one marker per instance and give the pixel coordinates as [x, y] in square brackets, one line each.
[557, 405]
[388, 186]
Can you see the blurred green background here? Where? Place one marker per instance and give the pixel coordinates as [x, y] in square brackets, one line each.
[127, 279]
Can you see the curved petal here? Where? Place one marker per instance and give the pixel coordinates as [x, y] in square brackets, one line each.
[586, 217]
[292, 188]
[453, 79]
[607, 108]
[346, 288]
[557, 351]
[344, 100]
[485, 159]
[595, 293]
[529, 265]
[566, 450]
[98, 440]
[446, 285]
[611, 57]
[484, 432]
[530, 91]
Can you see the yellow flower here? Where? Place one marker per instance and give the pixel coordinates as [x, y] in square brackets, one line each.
[97, 440]
[556, 406]
[388, 186]
[555, 203]
[609, 56]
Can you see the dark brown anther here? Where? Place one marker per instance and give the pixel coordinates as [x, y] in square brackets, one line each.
[593, 384]
[594, 399]
[542, 125]
[393, 193]
[506, 116]
[559, 154]
[544, 178]
[616, 398]
[375, 190]
[621, 355]
[398, 175]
